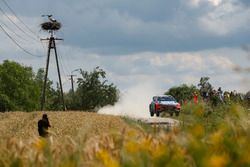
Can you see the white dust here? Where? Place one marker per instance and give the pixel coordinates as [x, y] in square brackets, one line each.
[134, 102]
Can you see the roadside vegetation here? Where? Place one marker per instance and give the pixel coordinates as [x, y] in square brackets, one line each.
[220, 138]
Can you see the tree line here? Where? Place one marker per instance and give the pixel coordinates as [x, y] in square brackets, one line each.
[21, 89]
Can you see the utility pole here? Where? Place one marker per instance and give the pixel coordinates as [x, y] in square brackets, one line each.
[72, 79]
[72, 82]
[51, 27]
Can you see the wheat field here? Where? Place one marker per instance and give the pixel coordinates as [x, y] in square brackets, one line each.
[79, 139]
[70, 131]
[23, 125]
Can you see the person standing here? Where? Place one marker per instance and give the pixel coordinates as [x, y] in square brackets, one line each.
[220, 94]
[43, 126]
[195, 97]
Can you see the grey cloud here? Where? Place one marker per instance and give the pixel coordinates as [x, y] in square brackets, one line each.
[122, 27]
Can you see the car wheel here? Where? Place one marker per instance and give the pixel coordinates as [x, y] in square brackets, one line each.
[171, 114]
[151, 111]
[152, 114]
[157, 113]
[177, 114]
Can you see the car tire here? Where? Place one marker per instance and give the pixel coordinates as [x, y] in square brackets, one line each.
[151, 111]
[171, 114]
[157, 113]
[152, 114]
[177, 114]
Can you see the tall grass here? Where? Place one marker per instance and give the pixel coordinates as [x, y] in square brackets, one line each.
[215, 138]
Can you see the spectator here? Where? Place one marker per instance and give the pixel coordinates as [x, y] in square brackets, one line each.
[195, 97]
[43, 126]
[220, 93]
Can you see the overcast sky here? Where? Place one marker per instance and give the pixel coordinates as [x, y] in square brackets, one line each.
[163, 42]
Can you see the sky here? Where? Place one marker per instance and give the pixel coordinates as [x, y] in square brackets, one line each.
[163, 43]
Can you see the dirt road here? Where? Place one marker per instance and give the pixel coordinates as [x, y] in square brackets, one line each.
[160, 121]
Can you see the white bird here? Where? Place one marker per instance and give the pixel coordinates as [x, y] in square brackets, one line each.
[50, 18]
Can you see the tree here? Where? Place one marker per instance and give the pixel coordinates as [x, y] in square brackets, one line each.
[18, 89]
[52, 99]
[205, 87]
[94, 91]
[182, 92]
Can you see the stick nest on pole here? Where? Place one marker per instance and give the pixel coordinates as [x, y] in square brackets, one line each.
[54, 26]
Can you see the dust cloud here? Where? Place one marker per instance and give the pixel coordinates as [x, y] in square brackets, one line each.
[134, 102]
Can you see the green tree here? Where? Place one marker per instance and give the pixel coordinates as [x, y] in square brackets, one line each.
[94, 91]
[205, 87]
[18, 89]
[182, 92]
[52, 98]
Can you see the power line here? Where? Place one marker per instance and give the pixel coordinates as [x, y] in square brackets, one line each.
[26, 33]
[10, 29]
[3, 12]
[14, 13]
[63, 62]
[21, 21]
[15, 42]
[62, 65]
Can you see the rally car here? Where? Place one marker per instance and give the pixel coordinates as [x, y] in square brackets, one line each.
[164, 103]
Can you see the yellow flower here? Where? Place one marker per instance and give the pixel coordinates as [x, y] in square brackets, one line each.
[160, 150]
[218, 160]
[132, 147]
[217, 138]
[40, 143]
[106, 158]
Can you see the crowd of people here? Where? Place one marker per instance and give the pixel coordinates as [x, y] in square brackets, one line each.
[219, 96]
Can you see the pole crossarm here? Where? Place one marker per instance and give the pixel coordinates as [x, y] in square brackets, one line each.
[47, 39]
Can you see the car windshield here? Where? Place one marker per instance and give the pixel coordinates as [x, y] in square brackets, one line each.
[166, 98]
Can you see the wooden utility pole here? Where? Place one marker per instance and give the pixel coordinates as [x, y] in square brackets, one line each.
[72, 82]
[52, 45]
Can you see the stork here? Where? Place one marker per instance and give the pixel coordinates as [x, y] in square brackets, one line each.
[50, 18]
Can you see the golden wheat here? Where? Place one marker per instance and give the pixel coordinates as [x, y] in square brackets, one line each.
[89, 139]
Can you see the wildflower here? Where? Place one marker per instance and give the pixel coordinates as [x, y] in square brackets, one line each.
[106, 158]
[218, 160]
[40, 144]
[132, 147]
[217, 138]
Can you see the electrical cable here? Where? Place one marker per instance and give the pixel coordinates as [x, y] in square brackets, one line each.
[20, 20]
[14, 13]
[3, 12]
[63, 62]
[15, 42]
[10, 29]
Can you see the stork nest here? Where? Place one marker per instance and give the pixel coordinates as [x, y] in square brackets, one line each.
[51, 26]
